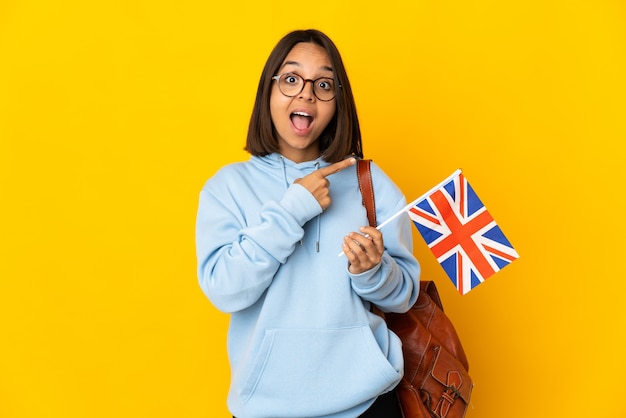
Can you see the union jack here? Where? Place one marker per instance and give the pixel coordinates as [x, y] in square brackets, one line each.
[461, 233]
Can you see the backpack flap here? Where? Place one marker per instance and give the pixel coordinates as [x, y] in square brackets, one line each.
[450, 387]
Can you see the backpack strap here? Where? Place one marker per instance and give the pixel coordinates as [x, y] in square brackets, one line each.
[364, 174]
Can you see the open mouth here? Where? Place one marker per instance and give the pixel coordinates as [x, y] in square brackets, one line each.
[301, 120]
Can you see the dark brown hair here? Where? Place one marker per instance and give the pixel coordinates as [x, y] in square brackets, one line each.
[341, 137]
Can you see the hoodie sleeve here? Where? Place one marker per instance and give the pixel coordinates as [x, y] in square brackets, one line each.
[238, 254]
[392, 285]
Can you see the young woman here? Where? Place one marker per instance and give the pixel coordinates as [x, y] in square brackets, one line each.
[302, 340]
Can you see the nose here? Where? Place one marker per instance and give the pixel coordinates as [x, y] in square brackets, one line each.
[307, 92]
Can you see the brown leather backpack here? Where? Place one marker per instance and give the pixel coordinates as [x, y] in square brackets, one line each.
[436, 383]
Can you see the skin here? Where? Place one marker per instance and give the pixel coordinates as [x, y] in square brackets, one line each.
[363, 250]
[311, 62]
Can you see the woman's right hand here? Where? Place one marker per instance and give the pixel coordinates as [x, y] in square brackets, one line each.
[317, 183]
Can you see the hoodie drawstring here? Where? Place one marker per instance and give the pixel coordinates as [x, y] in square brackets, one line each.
[319, 221]
[282, 160]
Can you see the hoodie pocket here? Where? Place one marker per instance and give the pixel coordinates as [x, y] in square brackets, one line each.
[317, 371]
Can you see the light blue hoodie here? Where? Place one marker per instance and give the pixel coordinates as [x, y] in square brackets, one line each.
[302, 341]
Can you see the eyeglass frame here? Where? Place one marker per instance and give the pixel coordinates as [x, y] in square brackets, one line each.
[305, 80]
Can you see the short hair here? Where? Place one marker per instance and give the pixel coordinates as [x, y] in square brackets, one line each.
[341, 137]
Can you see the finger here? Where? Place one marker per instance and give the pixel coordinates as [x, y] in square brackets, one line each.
[371, 232]
[361, 247]
[361, 241]
[368, 251]
[348, 252]
[336, 167]
[376, 237]
[357, 258]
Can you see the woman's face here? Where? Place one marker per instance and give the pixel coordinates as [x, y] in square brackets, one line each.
[300, 120]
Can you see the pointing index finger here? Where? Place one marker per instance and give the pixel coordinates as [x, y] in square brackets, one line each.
[336, 167]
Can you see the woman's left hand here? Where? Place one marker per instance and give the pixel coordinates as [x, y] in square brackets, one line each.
[364, 250]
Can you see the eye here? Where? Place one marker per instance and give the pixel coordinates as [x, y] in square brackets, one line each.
[291, 79]
[325, 84]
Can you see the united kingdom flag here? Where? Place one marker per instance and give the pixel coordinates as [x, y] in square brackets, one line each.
[461, 233]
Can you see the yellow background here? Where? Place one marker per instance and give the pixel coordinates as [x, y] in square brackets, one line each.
[114, 113]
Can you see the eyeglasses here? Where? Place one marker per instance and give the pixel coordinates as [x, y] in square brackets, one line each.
[292, 84]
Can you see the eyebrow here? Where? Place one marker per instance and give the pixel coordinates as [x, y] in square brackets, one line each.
[297, 64]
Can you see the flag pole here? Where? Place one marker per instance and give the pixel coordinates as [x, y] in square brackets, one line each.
[422, 197]
[413, 203]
